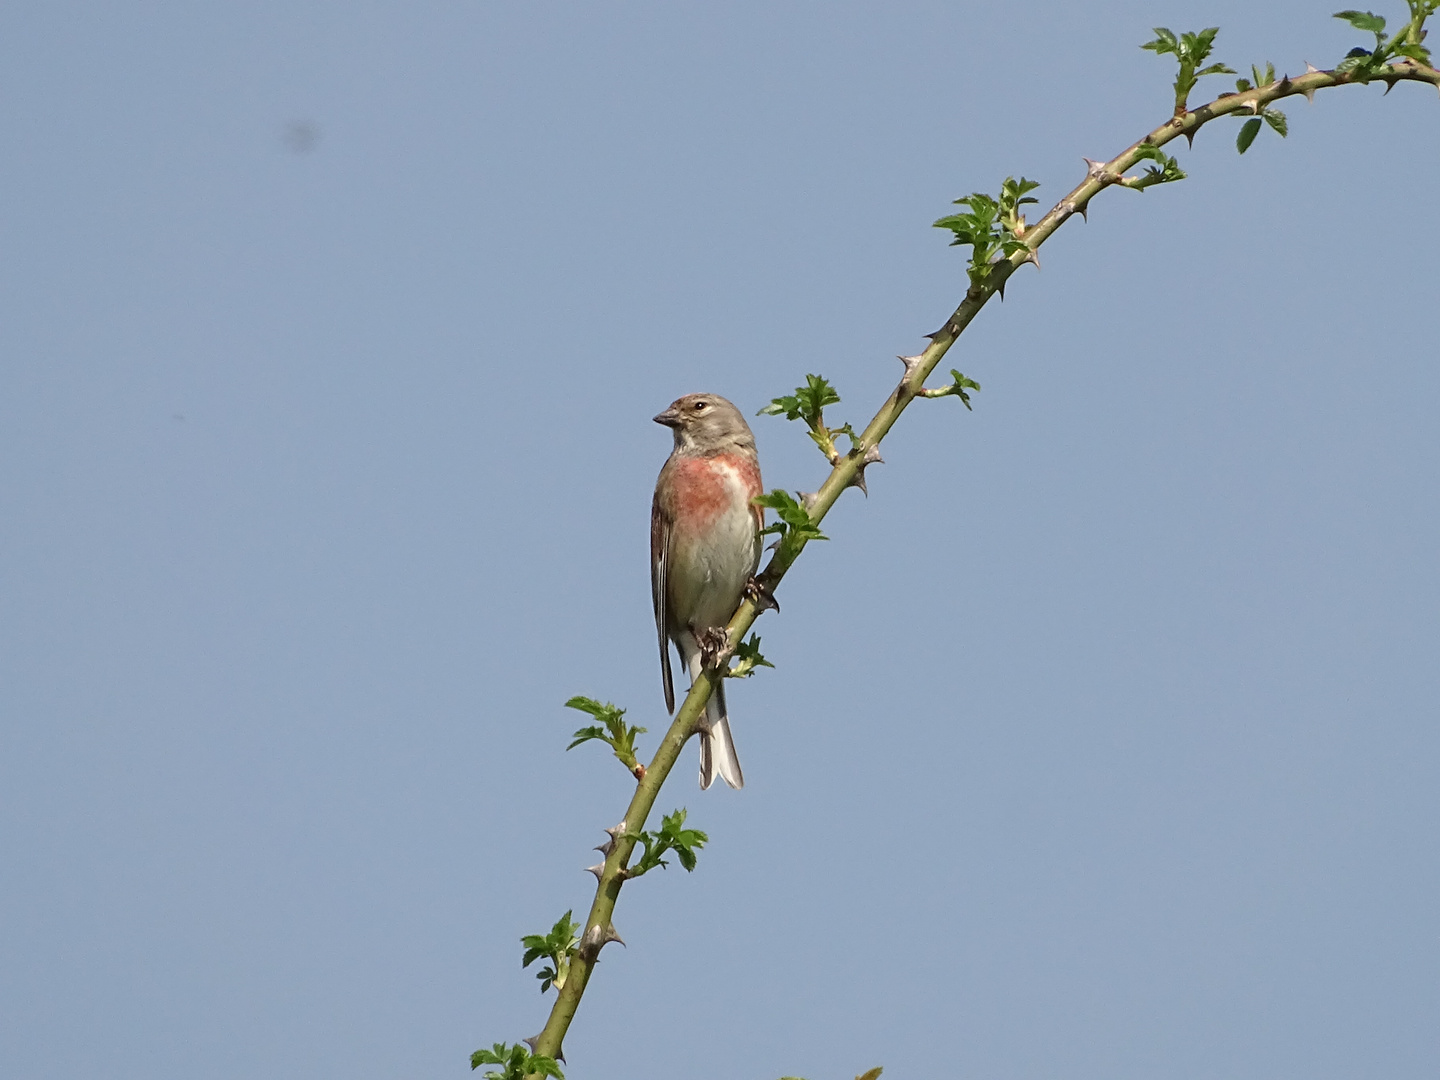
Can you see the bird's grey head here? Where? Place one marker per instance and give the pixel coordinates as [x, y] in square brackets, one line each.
[707, 424]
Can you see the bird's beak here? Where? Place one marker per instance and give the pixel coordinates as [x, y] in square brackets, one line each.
[670, 418]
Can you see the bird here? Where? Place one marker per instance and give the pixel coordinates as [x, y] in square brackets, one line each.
[704, 550]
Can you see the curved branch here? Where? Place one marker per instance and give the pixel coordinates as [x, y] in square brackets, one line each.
[848, 471]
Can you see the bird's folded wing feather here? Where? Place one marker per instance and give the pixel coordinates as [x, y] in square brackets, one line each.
[659, 562]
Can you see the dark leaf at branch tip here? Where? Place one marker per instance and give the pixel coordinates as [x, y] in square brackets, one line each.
[1248, 131]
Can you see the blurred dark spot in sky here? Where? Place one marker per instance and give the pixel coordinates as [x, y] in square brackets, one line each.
[301, 136]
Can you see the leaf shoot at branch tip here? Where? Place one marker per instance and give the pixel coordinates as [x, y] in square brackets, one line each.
[808, 404]
[1366, 64]
[747, 657]
[795, 527]
[671, 836]
[1167, 171]
[516, 1061]
[992, 227]
[558, 946]
[959, 388]
[1190, 50]
[614, 733]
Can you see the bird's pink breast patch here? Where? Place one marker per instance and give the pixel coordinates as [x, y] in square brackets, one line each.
[707, 487]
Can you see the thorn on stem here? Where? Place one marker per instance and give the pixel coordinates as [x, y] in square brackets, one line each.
[598, 869]
[596, 938]
[872, 457]
[912, 364]
[533, 1041]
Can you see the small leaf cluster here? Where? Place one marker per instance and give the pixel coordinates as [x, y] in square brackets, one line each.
[808, 404]
[747, 657]
[1366, 64]
[1274, 117]
[1191, 50]
[671, 836]
[1248, 130]
[959, 388]
[994, 228]
[795, 527]
[612, 731]
[516, 1063]
[872, 1074]
[558, 946]
[1166, 171]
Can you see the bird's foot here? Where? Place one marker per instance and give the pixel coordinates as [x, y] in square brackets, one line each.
[714, 642]
[760, 595]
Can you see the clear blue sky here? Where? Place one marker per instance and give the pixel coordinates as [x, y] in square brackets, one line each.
[1102, 741]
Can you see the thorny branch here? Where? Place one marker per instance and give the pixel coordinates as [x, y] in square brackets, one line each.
[848, 471]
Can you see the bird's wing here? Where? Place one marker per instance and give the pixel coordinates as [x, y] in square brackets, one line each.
[659, 563]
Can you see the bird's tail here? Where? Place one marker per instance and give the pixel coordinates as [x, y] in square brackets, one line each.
[717, 748]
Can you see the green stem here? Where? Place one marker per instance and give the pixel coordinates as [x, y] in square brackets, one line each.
[599, 925]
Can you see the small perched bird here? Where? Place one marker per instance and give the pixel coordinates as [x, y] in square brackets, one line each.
[704, 548]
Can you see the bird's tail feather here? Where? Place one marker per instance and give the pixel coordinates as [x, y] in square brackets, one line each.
[717, 747]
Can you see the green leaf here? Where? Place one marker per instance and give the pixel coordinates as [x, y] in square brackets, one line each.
[585, 734]
[795, 524]
[1276, 119]
[615, 733]
[747, 658]
[671, 836]
[808, 404]
[516, 1061]
[1165, 42]
[1167, 172]
[992, 227]
[559, 945]
[807, 401]
[1363, 20]
[1248, 131]
[1414, 50]
[873, 1074]
[959, 388]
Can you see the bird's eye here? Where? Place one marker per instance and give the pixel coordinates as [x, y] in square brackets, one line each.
[699, 406]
